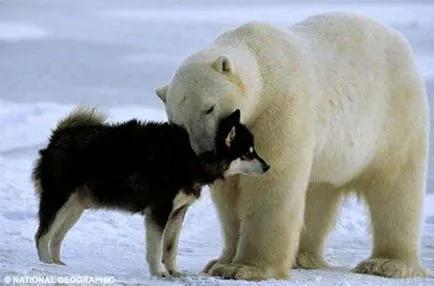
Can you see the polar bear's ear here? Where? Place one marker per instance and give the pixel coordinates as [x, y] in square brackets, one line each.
[223, 65]
[162, 92]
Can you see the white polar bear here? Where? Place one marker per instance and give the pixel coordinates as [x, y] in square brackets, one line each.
[337, 106]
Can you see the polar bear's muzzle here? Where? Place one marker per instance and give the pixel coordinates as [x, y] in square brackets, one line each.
[201, 141]
[201, 144]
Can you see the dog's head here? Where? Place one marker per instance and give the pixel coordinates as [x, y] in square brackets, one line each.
[235, 145]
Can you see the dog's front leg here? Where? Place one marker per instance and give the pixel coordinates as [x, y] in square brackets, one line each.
[171, 240]
[154, 235]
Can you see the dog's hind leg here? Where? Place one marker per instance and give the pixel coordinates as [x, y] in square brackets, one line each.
[73, 212]
[171, 240]
[52, 211]
[154, 235]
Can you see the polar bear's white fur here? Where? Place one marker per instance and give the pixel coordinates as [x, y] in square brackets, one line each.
[337, 105]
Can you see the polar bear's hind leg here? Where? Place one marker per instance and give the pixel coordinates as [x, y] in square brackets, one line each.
[395, 205]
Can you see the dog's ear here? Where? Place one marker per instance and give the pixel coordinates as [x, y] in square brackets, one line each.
[235, 117]
[228, 127]
[162, 92]
[230, 137]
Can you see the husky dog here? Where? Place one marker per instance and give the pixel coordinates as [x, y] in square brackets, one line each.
[138, 167]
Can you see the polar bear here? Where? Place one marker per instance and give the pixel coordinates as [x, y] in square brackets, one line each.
[337, 106]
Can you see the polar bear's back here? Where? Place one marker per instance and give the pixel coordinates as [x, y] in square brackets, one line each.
[348, 41]
[346, 29]
[371, 96]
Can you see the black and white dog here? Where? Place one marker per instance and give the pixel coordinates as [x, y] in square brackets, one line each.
[138, 167]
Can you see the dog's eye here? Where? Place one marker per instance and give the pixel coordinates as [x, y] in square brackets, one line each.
[209, 110]
[245, 157]
[248, 155]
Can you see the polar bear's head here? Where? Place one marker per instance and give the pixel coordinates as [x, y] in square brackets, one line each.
[201, 93]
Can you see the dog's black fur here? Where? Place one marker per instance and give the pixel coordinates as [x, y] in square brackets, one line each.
[130, 166]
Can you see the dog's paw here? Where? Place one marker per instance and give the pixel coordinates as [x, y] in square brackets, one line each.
[307, 261]
[59, 262]
[169, 274]
[238, 272]
[176, 273]
[389, 268]
[163, 274]
[46, 260]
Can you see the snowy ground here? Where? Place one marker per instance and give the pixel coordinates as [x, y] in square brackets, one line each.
[107, 244]
[54, 54]
[112, 244]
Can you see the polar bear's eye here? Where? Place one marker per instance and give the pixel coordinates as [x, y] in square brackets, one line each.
[209, 110]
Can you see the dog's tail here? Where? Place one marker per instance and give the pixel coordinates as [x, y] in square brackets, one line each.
[79, 116]
[82, 115]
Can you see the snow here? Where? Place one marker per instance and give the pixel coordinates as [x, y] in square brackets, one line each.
[105, 243]
[113, 54]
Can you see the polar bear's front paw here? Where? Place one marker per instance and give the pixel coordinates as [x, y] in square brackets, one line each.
[308, 261]
[390, 268]
[238, 272]
[210, 265]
